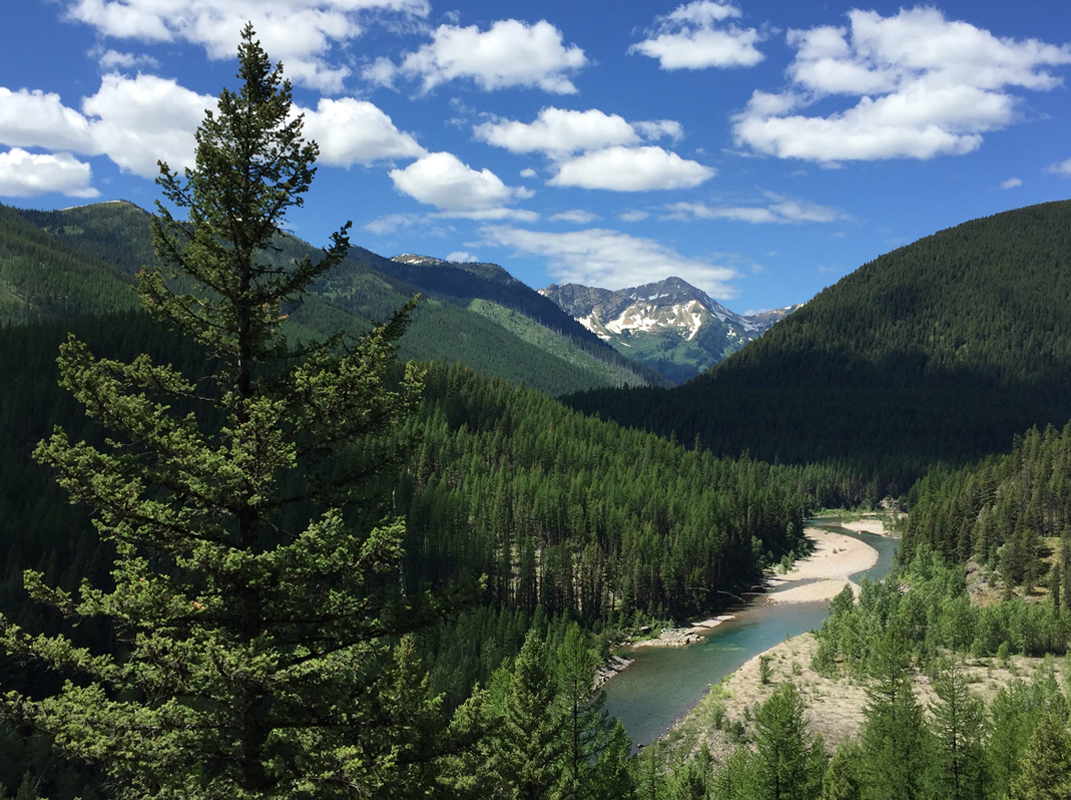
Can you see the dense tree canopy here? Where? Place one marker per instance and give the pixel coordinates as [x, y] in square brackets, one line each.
[251, 533]
[937, 351]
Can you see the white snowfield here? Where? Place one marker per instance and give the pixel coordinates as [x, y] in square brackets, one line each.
[642, 316]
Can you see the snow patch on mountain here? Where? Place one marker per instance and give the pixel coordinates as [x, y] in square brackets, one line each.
[641, 319]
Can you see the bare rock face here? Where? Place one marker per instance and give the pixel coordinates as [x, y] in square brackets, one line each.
[670, 326]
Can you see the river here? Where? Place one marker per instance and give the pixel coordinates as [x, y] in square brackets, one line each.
[665, 683]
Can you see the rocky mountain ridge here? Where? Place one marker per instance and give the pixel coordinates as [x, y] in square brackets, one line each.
[669, 325]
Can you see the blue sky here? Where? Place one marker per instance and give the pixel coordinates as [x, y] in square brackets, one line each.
[760, 150]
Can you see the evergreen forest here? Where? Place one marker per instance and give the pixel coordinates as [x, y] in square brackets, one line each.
[279, 521]
[939, 351]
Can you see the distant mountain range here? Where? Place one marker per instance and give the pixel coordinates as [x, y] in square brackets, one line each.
[671, 326]
[67, 264]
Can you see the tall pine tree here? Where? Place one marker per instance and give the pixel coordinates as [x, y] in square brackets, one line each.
[895, 738]
[256, 591]
[957, 720]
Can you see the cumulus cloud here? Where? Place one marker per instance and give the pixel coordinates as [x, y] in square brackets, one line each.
[690, 38]
[1011, 183]
[631, 169]
[1061, 168]
[781, 209]
[134, 121]
[633, 215]
[926, 86]
[453, 187]
[137, 121]
[461, 257]
[36, 119]
[510, 53]
[351, 131]
[380, 72]
[24, 174]
[559, 132]
[611, 259]
[301, 33]
[611, 152]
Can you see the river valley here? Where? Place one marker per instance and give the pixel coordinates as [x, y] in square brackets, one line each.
[663, 684]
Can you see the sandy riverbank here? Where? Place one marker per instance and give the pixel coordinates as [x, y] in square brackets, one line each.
[866, 526]
[824, 574]
[681, 637]
[821, 576]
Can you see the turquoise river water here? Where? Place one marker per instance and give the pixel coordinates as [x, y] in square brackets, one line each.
[665, 683]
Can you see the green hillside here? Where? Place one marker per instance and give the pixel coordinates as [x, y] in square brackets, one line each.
[938, 351]
[116, 232]
[564, 347]
[464, 283]
[40, 278]
[63, 264]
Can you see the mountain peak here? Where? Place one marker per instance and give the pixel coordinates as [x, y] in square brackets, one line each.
[669, 325]
[418, 261]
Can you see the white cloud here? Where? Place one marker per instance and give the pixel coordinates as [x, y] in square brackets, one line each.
[380, 72]
[461, 257]
[631, 169]
[24, 174]
[1061, 168]
[134, 121]
[137, 121]
[528, 172]
[353, 131]
[510, 53]
[612, 157]
[782, 209]
[559, 132]
[391, 223]
[35, 119]
[111, 60]
[689, 38]
[1011, 183]
[634, 215]
[301, 33]
[611, 259]
[442, 180]
[653, 130]
[489, 214]
[701, 12]
[577, 215]
[925, 87]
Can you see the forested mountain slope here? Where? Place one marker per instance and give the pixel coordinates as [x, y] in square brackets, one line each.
[940, 350]
[1010, 512]
[41, 278]
[475, 285]
[579, 517]
[81, 260]
[465, 280]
